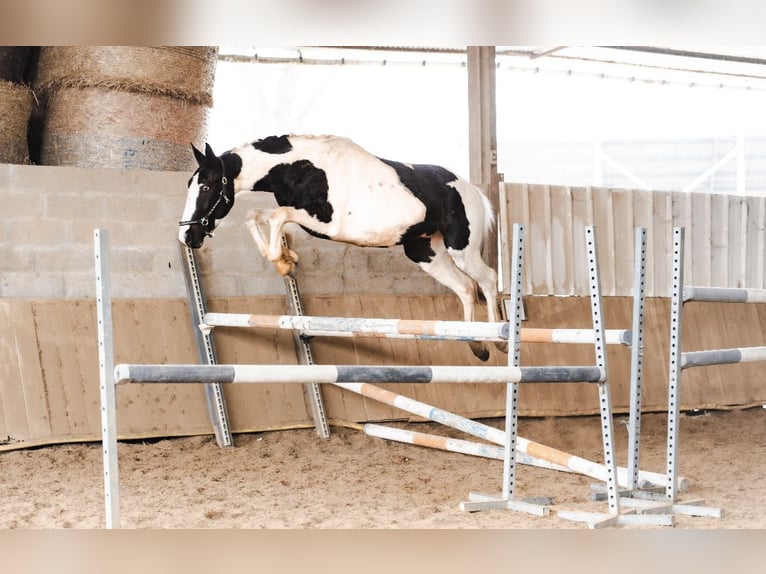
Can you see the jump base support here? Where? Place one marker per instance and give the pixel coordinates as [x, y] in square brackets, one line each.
[538, 506]
[626, 518]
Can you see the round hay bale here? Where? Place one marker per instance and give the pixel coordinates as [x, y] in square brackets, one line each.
[93, 127]
[184, 72]
[13, 63]
[15, 108]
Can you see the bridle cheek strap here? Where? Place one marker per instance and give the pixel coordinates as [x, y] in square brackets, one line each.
[221, 197]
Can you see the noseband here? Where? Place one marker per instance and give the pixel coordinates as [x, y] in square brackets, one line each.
[221, 197]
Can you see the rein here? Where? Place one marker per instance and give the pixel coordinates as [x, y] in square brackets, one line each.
[221, 197]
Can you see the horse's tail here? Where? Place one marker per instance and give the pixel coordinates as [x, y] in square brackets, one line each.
[488, 221]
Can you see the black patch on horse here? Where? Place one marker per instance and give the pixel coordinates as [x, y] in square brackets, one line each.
[232, 163]
[273, 145]
[315, 233]
[445, 211]
[301, 185]
[418, 249]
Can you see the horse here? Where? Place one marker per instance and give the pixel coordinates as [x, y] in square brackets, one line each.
[334, 189]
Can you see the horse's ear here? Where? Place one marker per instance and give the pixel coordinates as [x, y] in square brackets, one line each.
[198, 155]
[209, 153]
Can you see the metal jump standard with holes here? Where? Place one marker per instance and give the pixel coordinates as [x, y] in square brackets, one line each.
[195, 295]
[346, 377]
[507, 499]
[680, 360]
[667, 501]
[206, 349]
[675, 366]
[305, 327]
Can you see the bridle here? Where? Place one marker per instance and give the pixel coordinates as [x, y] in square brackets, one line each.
[203, 221]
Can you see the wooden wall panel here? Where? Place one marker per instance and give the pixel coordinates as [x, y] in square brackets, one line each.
[49, 383]
[725, 237]
[14, 419]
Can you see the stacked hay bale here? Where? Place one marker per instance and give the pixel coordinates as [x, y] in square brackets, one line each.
[16, 102]
[127, 107]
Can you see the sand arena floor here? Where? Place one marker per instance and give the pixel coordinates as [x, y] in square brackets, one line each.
[292, 479]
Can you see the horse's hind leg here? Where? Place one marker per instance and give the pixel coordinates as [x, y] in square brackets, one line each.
[469, 260]
[432, 257]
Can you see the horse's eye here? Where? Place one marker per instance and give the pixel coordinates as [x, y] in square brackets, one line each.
[205, 188]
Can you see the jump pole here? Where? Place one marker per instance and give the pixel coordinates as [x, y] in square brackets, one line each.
[126, 373]
[537, 454]
[724, 295]
[723, 356]
[466, 425]
[348, 374]
[312, 326]
[433, 441]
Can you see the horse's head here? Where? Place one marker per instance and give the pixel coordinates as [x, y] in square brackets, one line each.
[210, 196]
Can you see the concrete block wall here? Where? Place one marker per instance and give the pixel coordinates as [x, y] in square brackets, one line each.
[46, 242]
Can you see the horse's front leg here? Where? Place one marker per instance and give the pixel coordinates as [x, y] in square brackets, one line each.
[253, 220]
[279, 254]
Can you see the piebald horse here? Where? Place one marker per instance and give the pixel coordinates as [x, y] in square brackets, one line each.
[336, 190]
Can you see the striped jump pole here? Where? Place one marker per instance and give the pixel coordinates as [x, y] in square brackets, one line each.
[346, 377]
[462, 446]
[407, 328]
[434, 441]
[139, 373]
[722, 356]
[536, 454]
[573, 336]
[435, 414]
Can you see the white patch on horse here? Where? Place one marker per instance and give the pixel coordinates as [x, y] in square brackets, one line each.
[189, 207]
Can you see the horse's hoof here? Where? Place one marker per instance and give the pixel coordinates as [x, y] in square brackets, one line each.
[502, 347]
[289, 255]
[285, 267]
[481, 354]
